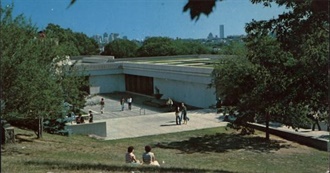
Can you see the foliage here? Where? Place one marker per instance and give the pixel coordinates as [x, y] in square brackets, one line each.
[286, 76]
[164, 46]
[26, 80]
[121, 48]
[33, 79]
[190, 47]
[198, 7]
[157, 46]
[72, 43]
[234, 48]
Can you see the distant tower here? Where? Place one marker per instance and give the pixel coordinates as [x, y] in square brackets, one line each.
[210, 37]
[222, 31]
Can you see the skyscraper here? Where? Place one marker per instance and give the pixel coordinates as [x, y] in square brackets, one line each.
[222, 32]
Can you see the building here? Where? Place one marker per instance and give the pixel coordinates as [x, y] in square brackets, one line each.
[113, 37]
[184, 78]
[222, 31]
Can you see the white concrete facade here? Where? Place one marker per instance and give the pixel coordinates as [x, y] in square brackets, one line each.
[181, 83]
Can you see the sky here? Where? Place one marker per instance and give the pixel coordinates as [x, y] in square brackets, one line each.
[138, 19]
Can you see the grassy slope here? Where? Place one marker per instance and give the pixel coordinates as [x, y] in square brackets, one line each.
[209, 150]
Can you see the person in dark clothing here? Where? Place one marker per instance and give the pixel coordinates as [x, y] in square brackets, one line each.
[184, 113]
[90, 116]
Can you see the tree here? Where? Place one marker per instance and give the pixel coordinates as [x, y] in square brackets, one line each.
[121, 48]
[157, 46]
[164, 46]
[31, 86]
[234, 48]
[190, 47]
[72, 43]
[290, 70]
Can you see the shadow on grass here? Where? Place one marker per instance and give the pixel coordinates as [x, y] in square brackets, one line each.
[221, 142]
[116, 168]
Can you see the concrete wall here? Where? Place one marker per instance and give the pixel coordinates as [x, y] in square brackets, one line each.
[182, 83]
[195, 94]
[95, 128]
[107, 83]
[320, 144]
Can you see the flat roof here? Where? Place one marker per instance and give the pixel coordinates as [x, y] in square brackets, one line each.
[198, 61]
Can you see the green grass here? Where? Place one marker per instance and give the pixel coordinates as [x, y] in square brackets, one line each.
[208, 150]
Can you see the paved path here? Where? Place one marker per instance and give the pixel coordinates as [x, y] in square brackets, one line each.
[160, 123]
[145, 120]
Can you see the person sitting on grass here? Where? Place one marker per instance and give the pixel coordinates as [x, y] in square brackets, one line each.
[130, 156]
[149, 157]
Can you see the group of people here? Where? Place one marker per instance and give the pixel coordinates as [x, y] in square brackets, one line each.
[80, 119]
[148, 157]
[181, 114]
[129, 101]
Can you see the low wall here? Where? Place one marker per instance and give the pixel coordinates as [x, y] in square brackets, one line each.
[95, 128]
[320, 144]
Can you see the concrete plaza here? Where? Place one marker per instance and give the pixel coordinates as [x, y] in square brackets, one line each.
[143, 120]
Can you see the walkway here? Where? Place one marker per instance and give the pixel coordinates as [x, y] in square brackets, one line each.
[145, 120]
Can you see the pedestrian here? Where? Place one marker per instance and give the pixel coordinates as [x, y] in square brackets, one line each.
[149, 157]
[314, 116]
[90, 116]
[129, 102]
[122, 103]
[102, 105]
[177, 116]
[130, 156]
[169, 103]
[184, 113]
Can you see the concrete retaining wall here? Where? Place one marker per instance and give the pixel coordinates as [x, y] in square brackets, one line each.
[95, 128]
[320, 144]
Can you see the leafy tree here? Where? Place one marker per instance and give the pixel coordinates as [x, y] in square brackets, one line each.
[121, 48]
[164, 46]
[190, 48]
[289, 71]
[30, 82]
[70, 42]
[157, 46]
[234, 48]
[85, 44]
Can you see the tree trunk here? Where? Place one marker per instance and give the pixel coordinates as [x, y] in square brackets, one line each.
[40, 129]
[267, 126]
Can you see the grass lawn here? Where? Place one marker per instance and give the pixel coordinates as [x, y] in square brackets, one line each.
[210, 150]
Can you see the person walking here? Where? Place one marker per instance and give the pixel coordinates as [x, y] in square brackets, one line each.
[129, 101]
[122, 103]
[184, 113]
[102, 105]
[177, 116]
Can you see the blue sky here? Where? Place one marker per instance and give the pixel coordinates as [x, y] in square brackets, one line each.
[137, 19]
